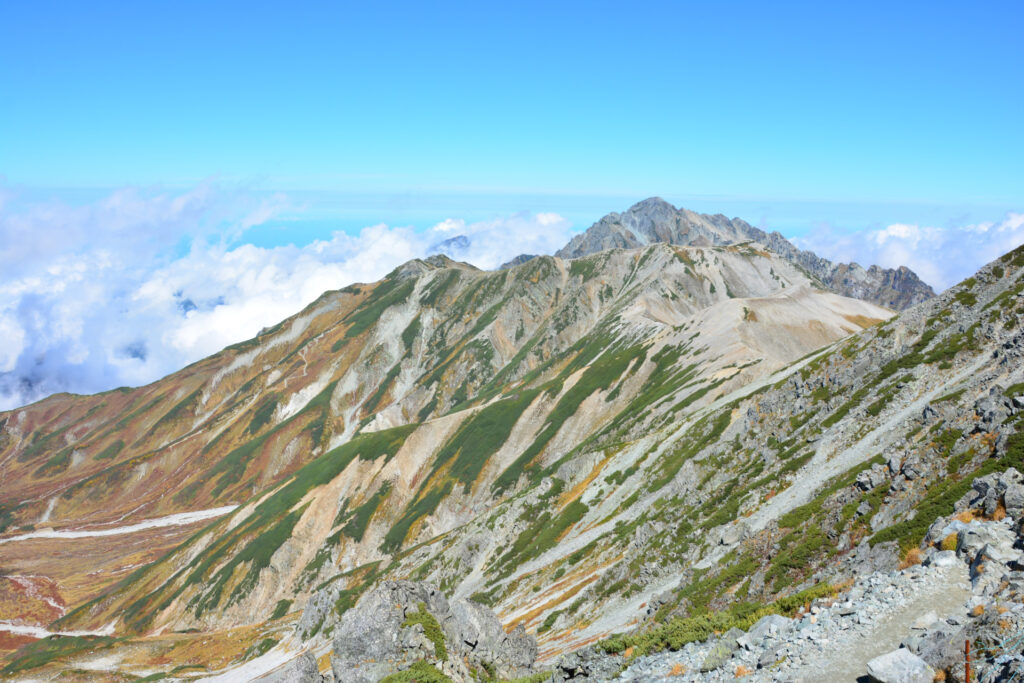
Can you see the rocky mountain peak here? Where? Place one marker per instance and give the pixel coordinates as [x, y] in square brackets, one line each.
[656, 220]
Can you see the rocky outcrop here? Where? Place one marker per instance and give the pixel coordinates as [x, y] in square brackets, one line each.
[402, 624]
[655, 220]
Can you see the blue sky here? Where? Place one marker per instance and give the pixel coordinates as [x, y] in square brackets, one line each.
[864, 102]
[176, 175]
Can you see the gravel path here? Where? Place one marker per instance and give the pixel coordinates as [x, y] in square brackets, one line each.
[834, 645]
[944, 594]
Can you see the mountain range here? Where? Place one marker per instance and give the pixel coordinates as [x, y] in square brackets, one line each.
[675, 415]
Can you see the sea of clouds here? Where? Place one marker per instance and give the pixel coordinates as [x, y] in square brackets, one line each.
[126, 289]
[134, 286]
[941, 257]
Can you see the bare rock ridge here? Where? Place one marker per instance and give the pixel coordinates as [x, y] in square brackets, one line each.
[655, 220]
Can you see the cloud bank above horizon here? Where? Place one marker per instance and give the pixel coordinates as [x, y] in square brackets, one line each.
[130, 288]
[941, 257]
[138, 284]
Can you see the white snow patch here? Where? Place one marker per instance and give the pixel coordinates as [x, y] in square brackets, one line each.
[301, 397]
[49, 511]
[40, 632]
[180, 519]
[263, 664]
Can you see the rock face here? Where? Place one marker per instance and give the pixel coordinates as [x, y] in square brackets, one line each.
[401, 624]
[655, 220]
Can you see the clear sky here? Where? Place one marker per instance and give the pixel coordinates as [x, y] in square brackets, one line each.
[862, 101]
[176, 175]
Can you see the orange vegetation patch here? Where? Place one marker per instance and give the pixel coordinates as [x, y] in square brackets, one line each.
[967, 516]
[742, 671]
[211, 651]
[677, 669]
[913, 556]
[566, 645]
[12, 641]
[30, 600]
[554, 602]
[863, 320]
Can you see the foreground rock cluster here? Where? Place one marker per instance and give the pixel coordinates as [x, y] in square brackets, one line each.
[906, 626]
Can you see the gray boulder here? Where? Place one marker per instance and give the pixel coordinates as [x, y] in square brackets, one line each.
[872, 478]
[302, 669]
[771, 625]
[941, 646]
[900, 666]
[1013, 498]
[943, 558]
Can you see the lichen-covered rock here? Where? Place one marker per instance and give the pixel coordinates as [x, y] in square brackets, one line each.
[722, 650]
[399, 623]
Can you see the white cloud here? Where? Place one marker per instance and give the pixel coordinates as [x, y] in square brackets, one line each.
[99, 296]
[940, 256]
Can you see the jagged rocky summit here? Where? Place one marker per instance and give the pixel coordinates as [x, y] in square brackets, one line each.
[655, 220]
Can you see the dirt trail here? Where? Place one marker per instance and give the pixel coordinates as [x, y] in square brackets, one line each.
[850, 655]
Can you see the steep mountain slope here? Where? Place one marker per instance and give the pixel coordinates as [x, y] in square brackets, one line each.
[655, 220]
[392, 413]
[675, 430]
[646, 325]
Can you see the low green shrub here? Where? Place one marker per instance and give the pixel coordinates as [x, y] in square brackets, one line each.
[420, 672]
[682, 630]
[431, 629]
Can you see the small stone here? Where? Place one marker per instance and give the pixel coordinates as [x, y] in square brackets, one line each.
[924, 621]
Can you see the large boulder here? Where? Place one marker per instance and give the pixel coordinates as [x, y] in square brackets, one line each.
[900, 666]
[400, 623]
